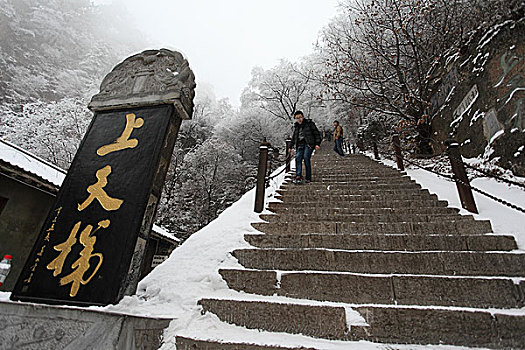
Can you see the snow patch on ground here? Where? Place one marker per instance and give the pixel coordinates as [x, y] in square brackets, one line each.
[504, 219]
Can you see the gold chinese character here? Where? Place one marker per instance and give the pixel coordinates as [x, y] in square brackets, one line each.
[28, 280]
[123, 141]
[82, 264]
[96, 192]
[41, 251]
[58, 213]
[64, 249]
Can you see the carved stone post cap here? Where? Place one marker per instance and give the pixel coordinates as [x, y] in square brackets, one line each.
[152, 77]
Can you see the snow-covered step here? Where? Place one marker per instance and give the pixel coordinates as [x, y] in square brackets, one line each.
[352, 194]
[420, 325]
[361, 178]
[336, 210]
[479, 292]
[320, 183]
[354, 181]
[327, 322]
[186, 343]
[357, 172]
[355, 163]
[341, 199]
[380, 262]
[448, 227]
[389, 324]
[384, 203]
[353, 174]
[364, 184]
[363, 218]
[308, 189]
[398, 242]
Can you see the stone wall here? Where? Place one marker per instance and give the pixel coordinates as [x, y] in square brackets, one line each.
[20, 222]
[480, 101]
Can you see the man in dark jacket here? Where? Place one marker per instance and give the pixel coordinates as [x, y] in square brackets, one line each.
[306, 137]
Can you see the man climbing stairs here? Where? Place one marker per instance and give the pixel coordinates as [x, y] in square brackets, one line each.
[365, 237]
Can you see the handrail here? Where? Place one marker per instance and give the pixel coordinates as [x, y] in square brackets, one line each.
[468, 166]
[460, 182]
[285, 169]
[510, 182]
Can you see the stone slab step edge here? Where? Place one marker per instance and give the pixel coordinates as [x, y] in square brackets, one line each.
[363, 218]
[356, 191]
[349, 181]
[357, 175]
[367, 289]
[344, 198]
[185, 343]
[386, 242]
[398, 204]
[316, 321]
[363, 173]
[424, 326]
[363, 211]
[458, 227]
[353, 183]
[306, 191]
[407, 325]
[379, 262]
[353, 168]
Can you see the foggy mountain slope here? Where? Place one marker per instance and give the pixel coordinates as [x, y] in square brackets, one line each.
[54, 49]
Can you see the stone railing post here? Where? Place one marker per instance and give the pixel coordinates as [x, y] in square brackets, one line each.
[460, 176]
[91, 248]
[288, 154]
[360, 145]
[374, 146]
[261, 177]
[397, 150]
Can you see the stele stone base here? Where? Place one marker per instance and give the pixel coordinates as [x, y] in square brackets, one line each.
[43, 327]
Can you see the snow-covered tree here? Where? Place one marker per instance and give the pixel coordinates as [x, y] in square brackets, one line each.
[282, 90]
[52, 131]
[52, 49]
[380, 53]
[211, 178]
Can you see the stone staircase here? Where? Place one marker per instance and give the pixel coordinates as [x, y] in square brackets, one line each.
[367, 236]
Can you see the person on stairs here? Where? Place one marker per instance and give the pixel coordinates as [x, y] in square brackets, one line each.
[338, 138]
[306, 137]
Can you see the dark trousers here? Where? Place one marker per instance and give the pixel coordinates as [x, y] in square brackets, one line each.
[304, 152]
[338, 146]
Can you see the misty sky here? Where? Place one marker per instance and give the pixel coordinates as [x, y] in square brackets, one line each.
[224, 39]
